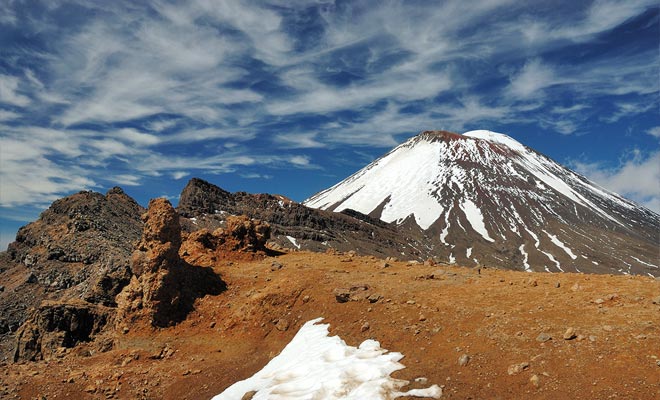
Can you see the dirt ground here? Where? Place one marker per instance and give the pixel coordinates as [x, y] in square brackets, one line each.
[431, 314]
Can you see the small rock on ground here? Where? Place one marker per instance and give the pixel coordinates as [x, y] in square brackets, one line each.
[463, 360]
[543, 337]
[534, 380]
[365, 327]
[249, 395]
[282, 324]
[515, 369]
[569, 334]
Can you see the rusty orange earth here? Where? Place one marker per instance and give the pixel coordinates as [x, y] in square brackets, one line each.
[434, 315]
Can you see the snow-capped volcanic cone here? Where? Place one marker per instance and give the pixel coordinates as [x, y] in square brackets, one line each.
[484, 198]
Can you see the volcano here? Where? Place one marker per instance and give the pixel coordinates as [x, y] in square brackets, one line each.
[483, 198]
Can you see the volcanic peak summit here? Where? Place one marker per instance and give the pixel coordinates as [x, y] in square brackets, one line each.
[433, 136]
[483, 194]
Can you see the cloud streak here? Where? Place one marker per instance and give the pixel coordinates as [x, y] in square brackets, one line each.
[636, 177]
[126, 91]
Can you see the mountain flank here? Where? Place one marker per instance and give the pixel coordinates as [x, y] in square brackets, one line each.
[482, 198]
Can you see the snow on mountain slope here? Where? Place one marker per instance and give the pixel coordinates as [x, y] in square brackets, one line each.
[317, 366]
[487, 189]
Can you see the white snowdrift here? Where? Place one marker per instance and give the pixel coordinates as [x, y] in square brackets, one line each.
[316, 366]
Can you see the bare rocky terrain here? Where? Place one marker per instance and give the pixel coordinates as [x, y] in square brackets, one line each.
[494, 335]
[101, 299]
[295, 226]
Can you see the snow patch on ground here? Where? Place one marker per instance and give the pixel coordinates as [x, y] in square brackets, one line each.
[294, 241]
[533, 235]
[552, 258]
[561, 245]
[316, 366]
[475, 218]
[468, 252]
[445, 230]
[643, 262]
[524, 253]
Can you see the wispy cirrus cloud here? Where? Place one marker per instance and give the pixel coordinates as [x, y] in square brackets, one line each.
[533, 77]
[637, 176]
[9, 91]
[655, 131]
[93, 92]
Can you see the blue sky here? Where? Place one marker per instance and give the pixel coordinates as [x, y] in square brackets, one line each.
[290, 97]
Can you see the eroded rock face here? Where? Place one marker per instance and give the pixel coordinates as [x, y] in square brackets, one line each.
[82, 244]
[205, 205]
[241, 237]
[161, 238]
[164, 287]
[56, 325]
[79, 249]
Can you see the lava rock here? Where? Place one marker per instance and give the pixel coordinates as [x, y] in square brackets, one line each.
[543, 337]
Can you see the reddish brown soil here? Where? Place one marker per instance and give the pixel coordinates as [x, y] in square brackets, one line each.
[494, 317]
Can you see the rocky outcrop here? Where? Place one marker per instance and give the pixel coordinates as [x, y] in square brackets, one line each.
[82, 243]
[200, 196]
[55, 325]
[158, 248]
[77, 251]
[240, 238]
[294, 225]
[163, 287]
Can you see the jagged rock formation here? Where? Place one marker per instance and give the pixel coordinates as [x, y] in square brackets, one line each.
[164, 287]
[482, 197]
[242, 238]
[57, 325]
[295, 226]
[78, 251]
[82, 242]
[71, 275]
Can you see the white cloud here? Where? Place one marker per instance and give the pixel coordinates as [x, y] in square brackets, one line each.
[531, 79]
[8, 115]
[299, 160]
[206, 134]
[628, 109]
[637, 178]
[256, 176]
[298, 140]
[569, 110]
[179, 174]
[136, 137]
[38, 181]
[161, 125]
[7, 14]
[320, 98]
[600, 16]
[126, 179]
[655, 132]
[9, 92]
